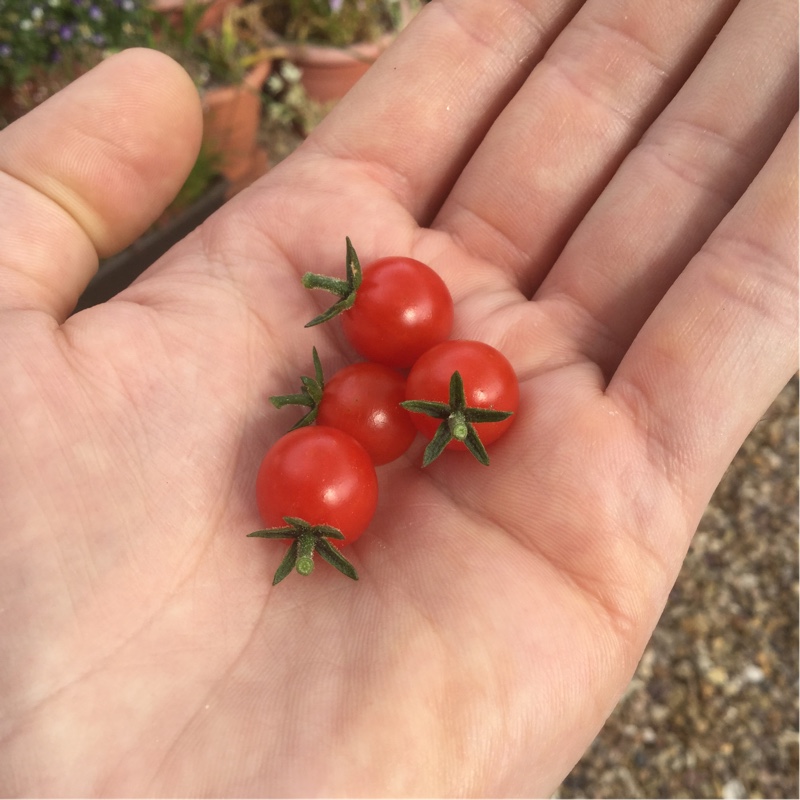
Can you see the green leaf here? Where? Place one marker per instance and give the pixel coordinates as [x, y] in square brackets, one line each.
[458, 400]
[274, 533]
[328, 552]
[287, 565]
[312, 389]
[486, 415]
[428, 407]
[334, 310]
[307, 420]
[297, 523]
[317, 368]
[475, 446]
[353, 267]
[328, 531]
[437, 445]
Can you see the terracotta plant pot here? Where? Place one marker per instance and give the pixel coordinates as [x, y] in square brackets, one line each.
[231, 121]
[328, 73]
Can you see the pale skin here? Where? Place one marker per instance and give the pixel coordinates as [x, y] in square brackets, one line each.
[638, 182]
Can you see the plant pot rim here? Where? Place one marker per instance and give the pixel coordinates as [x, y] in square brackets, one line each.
[253, 80]
[313, 53]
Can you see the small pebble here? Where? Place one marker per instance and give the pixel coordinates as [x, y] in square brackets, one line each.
[734, 790]
[753, 674]
[717, 675]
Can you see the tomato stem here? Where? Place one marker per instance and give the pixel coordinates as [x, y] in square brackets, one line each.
[333, 285]
[459, 427]
[306, 544]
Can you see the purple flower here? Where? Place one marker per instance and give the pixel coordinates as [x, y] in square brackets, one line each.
[336, 5]
[95, 13]
[65, 33]
[5, 51]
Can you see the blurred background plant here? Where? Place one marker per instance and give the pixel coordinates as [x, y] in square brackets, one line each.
[48, 41]
[289, 115]
[213, 56]
[334, 22]
[46, 44]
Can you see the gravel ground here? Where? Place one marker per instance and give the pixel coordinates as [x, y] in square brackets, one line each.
[712, 711]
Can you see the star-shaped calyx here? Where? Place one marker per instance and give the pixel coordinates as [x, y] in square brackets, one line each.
[345, 290]
[457, 422]
[307, 539]
[310, 394]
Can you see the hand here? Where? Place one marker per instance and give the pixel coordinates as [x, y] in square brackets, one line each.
[621, 164]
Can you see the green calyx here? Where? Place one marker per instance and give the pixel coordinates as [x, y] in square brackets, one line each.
[345, 290]
[457, 422]
[307, 539]
[310, 394]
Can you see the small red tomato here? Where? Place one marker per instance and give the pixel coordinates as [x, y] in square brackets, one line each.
[402, 308]
[489, 382]
[363, 400]
[321, 475]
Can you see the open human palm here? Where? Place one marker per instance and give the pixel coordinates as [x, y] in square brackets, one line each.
[600, 212]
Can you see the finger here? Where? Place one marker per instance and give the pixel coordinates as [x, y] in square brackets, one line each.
[676, 186]
[417, 116]
[88, 171]
[583, 108]
[723, 341]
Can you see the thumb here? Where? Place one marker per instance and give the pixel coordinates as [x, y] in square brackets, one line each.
[88, 171]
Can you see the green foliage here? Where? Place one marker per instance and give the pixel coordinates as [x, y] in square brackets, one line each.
[334, 22]
[45, 37]
[210, 56]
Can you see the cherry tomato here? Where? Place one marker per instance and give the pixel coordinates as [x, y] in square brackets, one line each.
[321, 475]
[402, 308]
[363, 400]
[489, 382]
